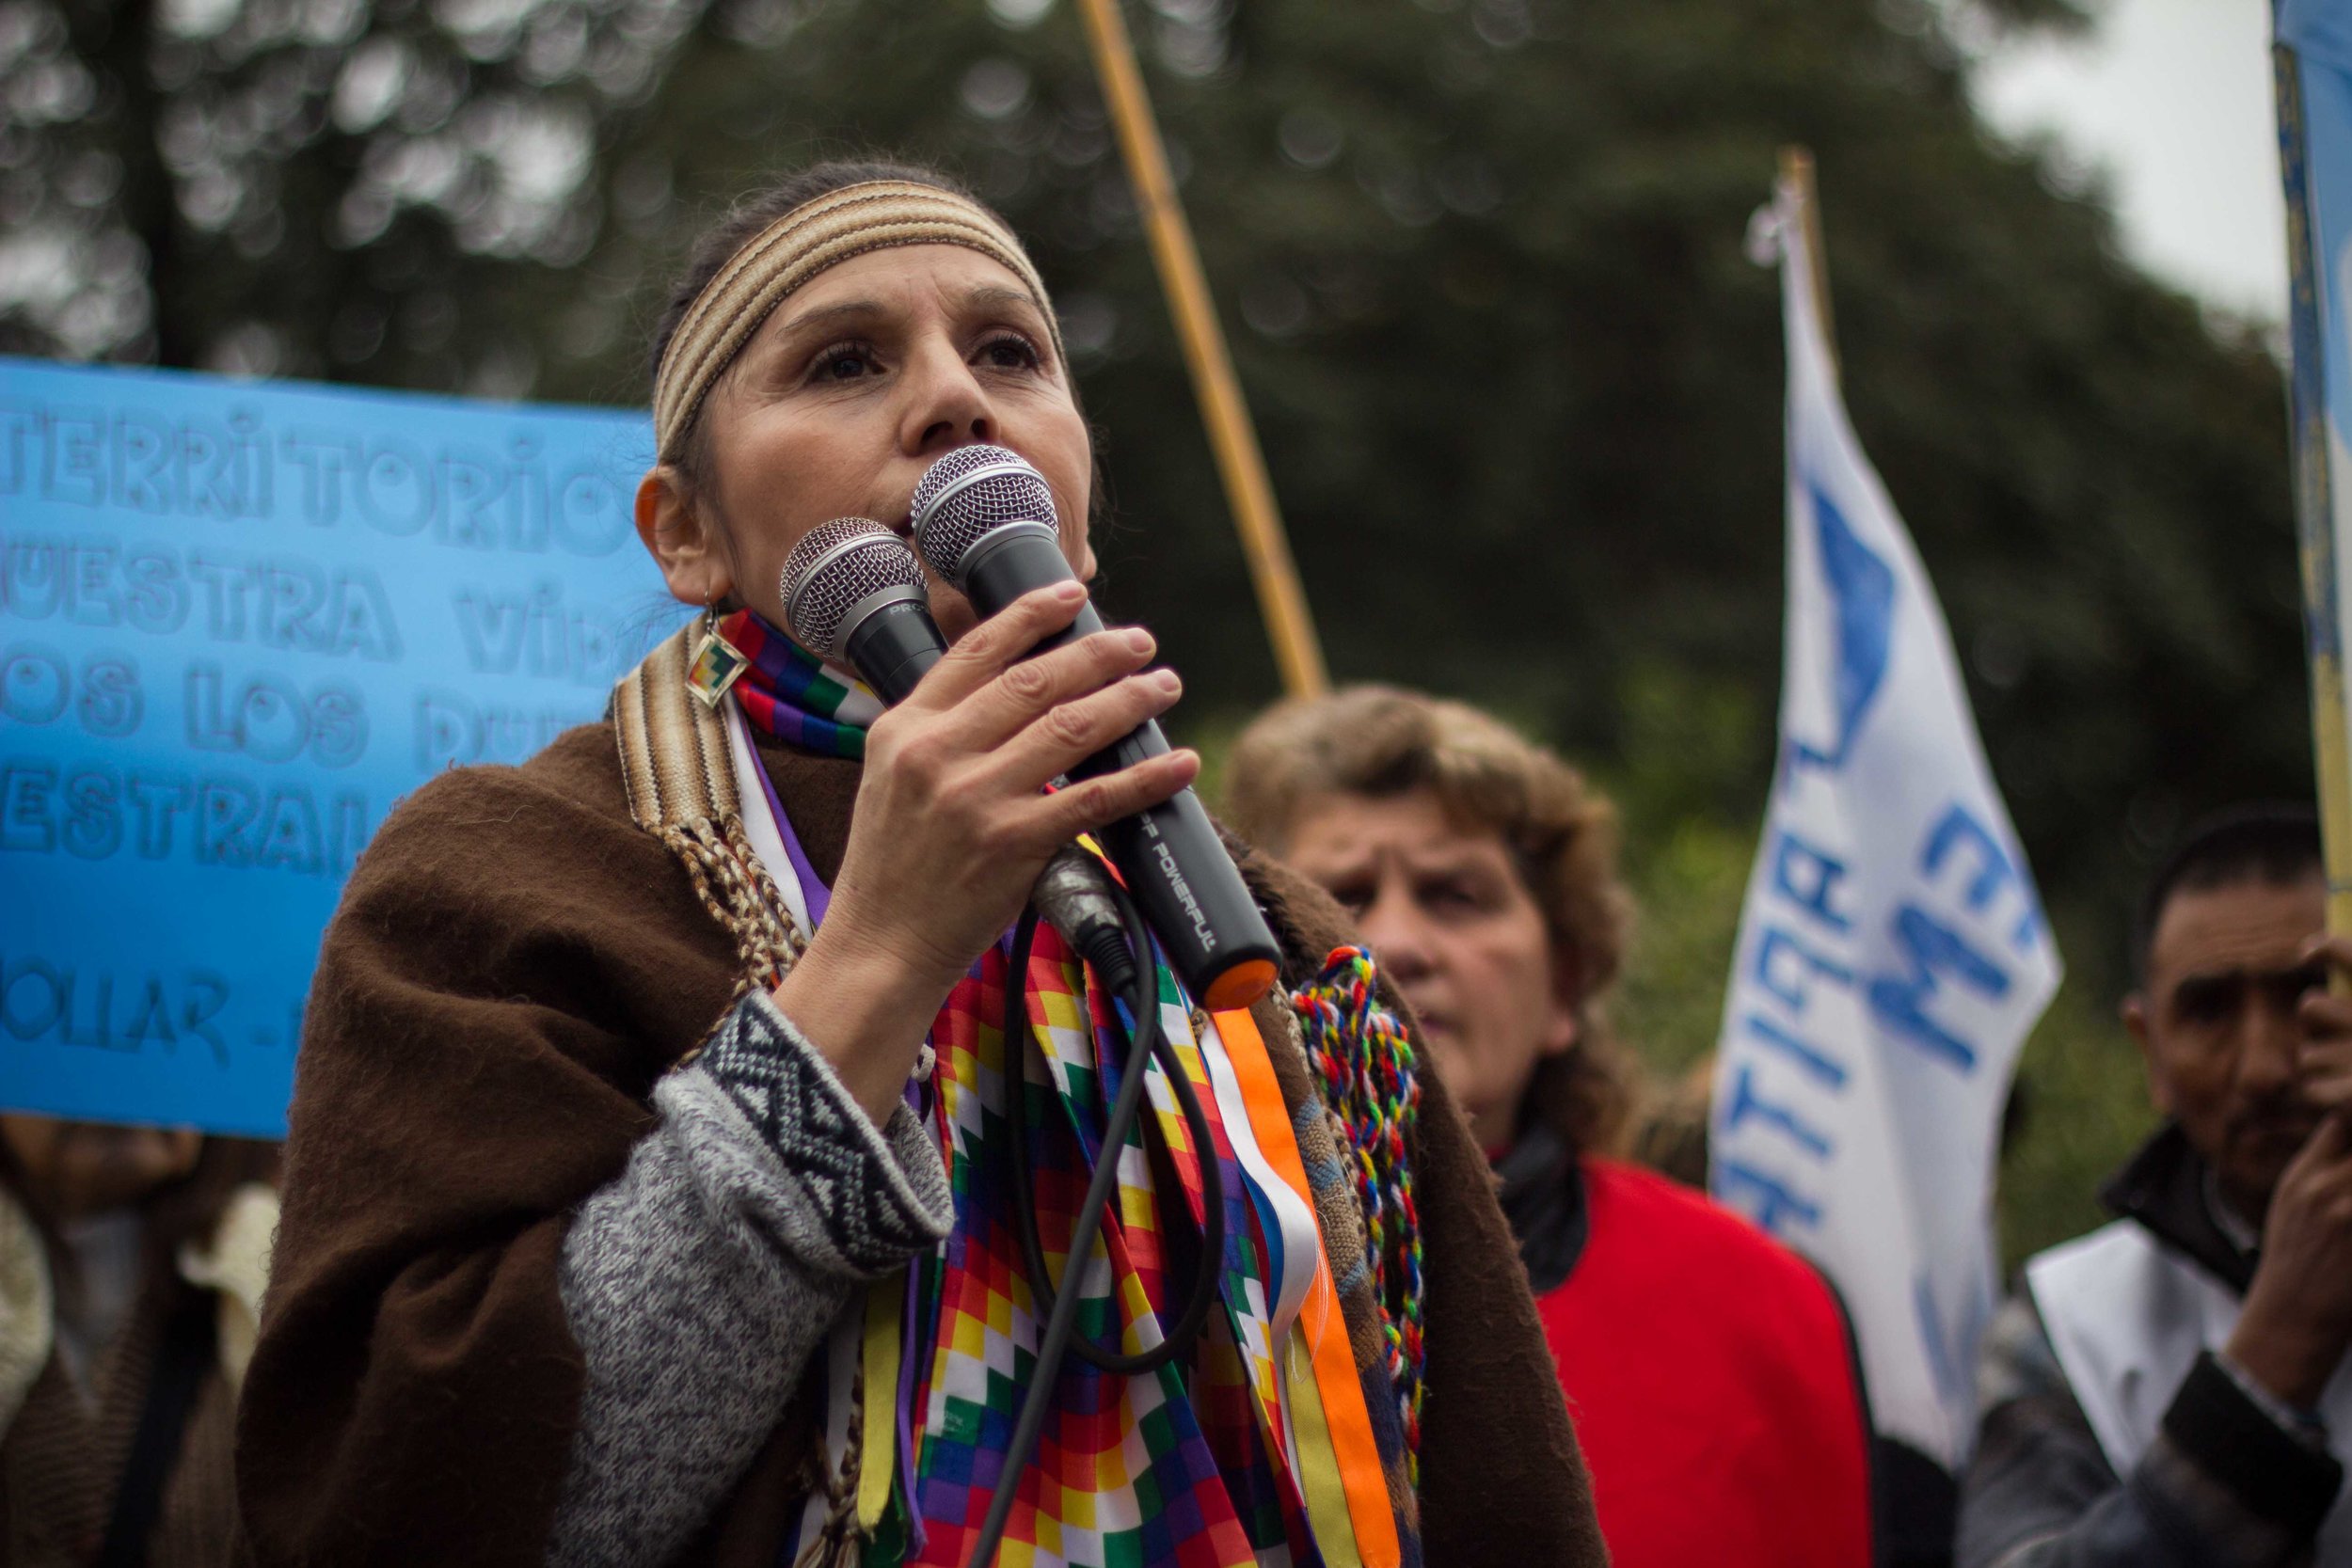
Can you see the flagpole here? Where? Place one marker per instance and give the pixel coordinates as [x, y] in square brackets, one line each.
[2323, 629]
[1239, 462]
[1796, 174]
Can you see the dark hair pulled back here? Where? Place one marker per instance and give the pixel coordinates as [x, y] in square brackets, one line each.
[2275, 843]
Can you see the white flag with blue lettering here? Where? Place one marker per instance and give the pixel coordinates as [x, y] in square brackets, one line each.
[1892, 950]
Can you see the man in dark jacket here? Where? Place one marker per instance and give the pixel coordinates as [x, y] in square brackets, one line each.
[2167, 1389]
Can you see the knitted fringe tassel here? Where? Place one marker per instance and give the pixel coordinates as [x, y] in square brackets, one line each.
[1361, 1053]
[839, 1543]
[736, 892]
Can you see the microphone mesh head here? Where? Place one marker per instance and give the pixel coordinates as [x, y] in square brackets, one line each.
[834, 567]
[970, 491]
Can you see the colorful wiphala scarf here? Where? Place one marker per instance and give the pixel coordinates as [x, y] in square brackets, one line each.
[1257, 1446]
[784, 691]
[1183, 1465]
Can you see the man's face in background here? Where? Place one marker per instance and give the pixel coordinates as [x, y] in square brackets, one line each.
[2215, 1022]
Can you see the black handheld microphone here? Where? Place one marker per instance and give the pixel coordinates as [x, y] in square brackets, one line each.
[985, 522]
[853, 591]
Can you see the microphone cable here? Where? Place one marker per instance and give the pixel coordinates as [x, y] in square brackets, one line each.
[1127, 968]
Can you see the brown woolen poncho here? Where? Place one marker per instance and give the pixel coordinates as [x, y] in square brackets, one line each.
[513, 965]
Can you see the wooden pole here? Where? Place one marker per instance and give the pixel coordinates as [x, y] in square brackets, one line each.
[1231, 441]
[1796, 172]
[2314, 510]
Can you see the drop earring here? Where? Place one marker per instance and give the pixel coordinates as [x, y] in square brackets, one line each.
[717, 661]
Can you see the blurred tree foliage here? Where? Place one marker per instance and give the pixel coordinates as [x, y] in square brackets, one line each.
[1481, 261]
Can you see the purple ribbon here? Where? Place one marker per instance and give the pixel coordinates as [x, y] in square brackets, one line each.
[813, 887]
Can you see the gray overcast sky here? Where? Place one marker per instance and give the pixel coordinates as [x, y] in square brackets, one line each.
[2172, 98]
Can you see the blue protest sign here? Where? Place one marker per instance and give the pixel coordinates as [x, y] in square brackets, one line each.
[238, 621]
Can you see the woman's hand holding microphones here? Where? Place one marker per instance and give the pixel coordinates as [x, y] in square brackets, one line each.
[951, 826]
[952, 823]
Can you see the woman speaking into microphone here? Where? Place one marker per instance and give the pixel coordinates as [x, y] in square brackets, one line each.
[653, 1190]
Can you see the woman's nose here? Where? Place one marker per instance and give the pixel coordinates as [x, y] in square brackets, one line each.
[946, 405]
[1398, 938]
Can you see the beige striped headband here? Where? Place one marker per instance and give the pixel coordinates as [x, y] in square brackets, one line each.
[796, 248]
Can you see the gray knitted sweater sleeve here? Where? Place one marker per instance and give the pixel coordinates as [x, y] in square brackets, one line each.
[700, 1282]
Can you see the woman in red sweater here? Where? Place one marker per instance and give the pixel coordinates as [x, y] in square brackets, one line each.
[1708, 1369]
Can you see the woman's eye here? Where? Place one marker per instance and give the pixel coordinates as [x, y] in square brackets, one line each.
[844, 362]
[1011, 352]
[1451, 899]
